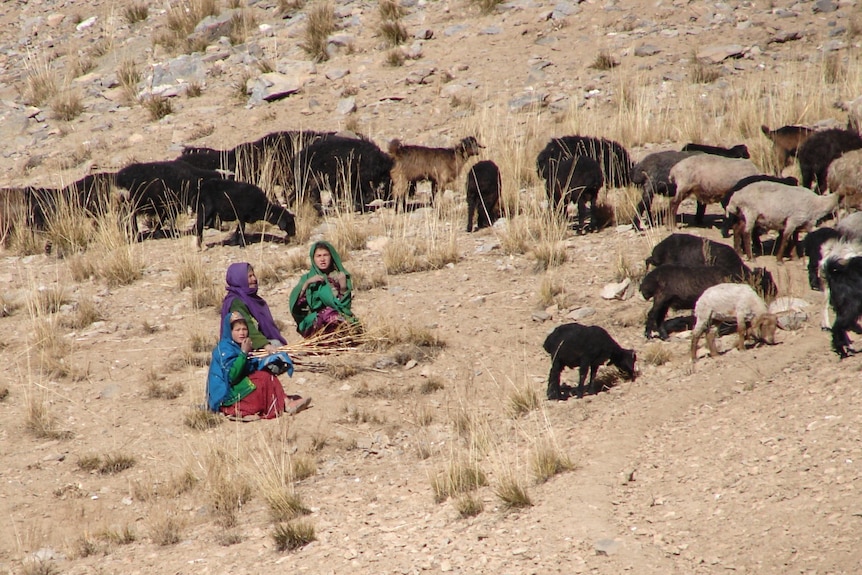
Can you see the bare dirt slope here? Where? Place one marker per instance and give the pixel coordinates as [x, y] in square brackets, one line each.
[747, 463]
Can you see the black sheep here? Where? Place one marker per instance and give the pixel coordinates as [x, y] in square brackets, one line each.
[483, 194]
[613, 158]
[241, 202]
[585, 347]
[672, 286]
[811, 244]
[691, 250]
[353, 168]
[737, 151]
[817, 152]
[162, 189]
[652, 175]
[843, 275]
[577, 178]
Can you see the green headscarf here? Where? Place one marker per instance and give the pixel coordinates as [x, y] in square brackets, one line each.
[320, 295]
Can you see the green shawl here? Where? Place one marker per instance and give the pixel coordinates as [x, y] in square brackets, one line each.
[320, 295]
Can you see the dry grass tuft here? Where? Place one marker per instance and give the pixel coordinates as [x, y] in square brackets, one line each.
[124, 536]
[226, 487]
[486, 6]
[40, 84]
[157, 106]
[136, 12]
[393, 32]
[166, 528]
[47, 300]
[390, 10]
[702, 72]
[604, 61]
[341, 371]
[626, 268]
[366, 281]
[82, 267]
[40, 422]
[67, 104]
[284, 503]
[834, 69]
[129, 76]
[461, 477]
[549, 254]
[86, 313]
[287, 8]
[655, 353]
[522, 400]
[201, 419]
[548, 461]
[39, 566]
[302, 467]
[320, 23]
[431, 385]
[158, 390]
[184, 15]
[294, 535]
[549, 289]
[469, 505]
[241, 23]
[512, 492]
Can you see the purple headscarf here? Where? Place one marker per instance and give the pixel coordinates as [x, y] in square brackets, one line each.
[237, 288]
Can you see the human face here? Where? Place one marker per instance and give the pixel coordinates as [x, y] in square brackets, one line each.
[239, 331]
[252, 279]
[322, 259]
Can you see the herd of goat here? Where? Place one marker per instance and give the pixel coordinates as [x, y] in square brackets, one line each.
[689, 272]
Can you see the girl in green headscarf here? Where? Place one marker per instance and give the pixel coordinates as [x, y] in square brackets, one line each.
[320, 302]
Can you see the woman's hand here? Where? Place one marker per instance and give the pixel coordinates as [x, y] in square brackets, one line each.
[270, 349]
[341, 278]
[245, 346]
[313, 280]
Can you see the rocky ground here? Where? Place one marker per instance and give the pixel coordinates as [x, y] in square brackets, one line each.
[747, 463]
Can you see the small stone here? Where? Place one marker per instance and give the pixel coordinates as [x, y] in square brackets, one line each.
[540, 316]
[346, 106]
[410, 364]
[580, 313]
[647, 50]
[616, 290]
[607, 547]
[337, 74]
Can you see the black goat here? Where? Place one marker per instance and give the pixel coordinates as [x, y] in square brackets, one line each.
[162, 189]
[737, 151]
[577, 178]
[585, 347]
[818, 151]
[616, 165]
[811, 244]
[842, 270]
[672, 286]
[241, 202]
[652, 175]
[352, 168]
[248, 161]
[483, 194]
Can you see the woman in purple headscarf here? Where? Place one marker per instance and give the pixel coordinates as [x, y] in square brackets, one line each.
[242, 297]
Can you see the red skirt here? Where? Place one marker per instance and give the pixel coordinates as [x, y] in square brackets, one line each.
[267, 400]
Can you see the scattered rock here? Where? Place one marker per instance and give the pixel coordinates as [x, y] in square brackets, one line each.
[647, 50]
[346, 106]
[717, 54]
[337, 74]
[607, 547]
[272, 86]
[580, 313]
[792, 320]
[616, 290]
[540, 316]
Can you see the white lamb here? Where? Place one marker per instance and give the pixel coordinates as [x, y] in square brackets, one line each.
[775, 206]
[709, 177]
[737, 303]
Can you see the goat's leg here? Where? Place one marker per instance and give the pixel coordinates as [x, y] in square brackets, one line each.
[582, 377]
[554, 391]
[785, 238]
[710, 342]
[740, 334]
[593, 369]
[699, 213]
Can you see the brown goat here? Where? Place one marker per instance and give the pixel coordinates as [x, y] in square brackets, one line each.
[786, 141]
[440, 166]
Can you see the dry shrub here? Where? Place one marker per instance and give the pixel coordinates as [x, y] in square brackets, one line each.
[302, 467]
[393, 32]
[158, 390]
[390, 10]
[241, 23]
[38, 566]
[226, 487]
[486, 6]
[354, 414]
[183, 16]
[40, 83]
[320, 23]
[124, 536]
[430, 385]
[157, 106]
[202, 419]
[461, 476]
[68, 229]
[549, 289]
[604, 61]
[549, 254]
[512, 492]
[67, 104]
[655, 353]
[194, 90]
[129, 76]
[469, 505]
[136, 12]
[366, 281]
[4, 393]
[834, 70]
[47, 300]
[107, 465]
[165, 527]
[40, 422]
[287, 8]
[522, 400]
[626, 268]
[293, 535]
[81, 267]
[341, 371]
[86, 313]
[80, 64]
[25, 242]
[702, 72]
[548, 461]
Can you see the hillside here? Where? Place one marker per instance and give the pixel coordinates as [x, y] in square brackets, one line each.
[746, 463]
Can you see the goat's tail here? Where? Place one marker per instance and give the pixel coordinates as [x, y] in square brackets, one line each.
[395, 147]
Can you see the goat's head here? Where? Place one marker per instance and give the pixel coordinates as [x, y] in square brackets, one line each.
[286, 222]
[469, 146]
[763, 328]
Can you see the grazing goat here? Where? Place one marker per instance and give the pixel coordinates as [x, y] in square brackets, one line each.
[585, 347]
[730, 302]
[775, 206]
[708, 178]
[672, 286]
[737, 151]
[613, 158]
[819, 150]
[690, 250]
[440, 166]
[353, 168]
[652, 174]
[786, 141]
[730, 219]
[811, 248]
[842, 270]
[273, 154]
[162, 189]
[579, 178]
[844, 177]
[483, 194]
[241, 202]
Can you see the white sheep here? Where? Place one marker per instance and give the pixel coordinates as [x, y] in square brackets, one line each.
[844, 177]
[775, 206]
[737, 303]
[708, 177]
